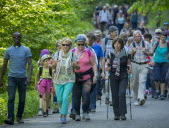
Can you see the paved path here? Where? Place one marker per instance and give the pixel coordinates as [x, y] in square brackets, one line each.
[154, 114]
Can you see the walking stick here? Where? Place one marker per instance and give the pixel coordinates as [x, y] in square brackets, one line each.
[130, 95]
[107, 98]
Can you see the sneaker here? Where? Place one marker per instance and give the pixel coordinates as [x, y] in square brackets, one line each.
[19, 120]
[9, 121]
[136, 103]
[49, 111]
[156, 95]
[123, 117]
[63, 120]
[72, 114]
[86, 116]
[142, 101]
[77, 118]
[162, 97]
[117, 118]
[56, 110]
[45, 114]
[40, 112]
[147, 91]
[93, 110]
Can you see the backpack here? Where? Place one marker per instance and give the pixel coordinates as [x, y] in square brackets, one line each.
[41, 70]
[134, 46]
[106, 41]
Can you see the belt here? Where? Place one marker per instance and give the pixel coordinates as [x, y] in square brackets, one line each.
[140, 63]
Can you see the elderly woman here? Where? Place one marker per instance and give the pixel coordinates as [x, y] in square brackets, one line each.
[117, 64]
[85, 77]
[64, 77]
[161, 59]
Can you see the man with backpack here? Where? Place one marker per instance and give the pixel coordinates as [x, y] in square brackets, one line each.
[139, 51]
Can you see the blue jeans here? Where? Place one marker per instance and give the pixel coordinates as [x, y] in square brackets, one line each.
[93, 95]
[13, 82]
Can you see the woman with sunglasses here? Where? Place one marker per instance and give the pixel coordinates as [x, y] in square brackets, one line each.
[85, 77]
[64, 77]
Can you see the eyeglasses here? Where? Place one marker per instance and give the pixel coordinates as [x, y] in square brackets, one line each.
[66, 45]
[81, 44]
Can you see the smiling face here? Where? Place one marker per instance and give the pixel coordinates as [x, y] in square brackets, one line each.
[80, 45]
[162, 39]
[46, 62]
[117, 46]
[66, 46]
[137, 37]
[113, 34]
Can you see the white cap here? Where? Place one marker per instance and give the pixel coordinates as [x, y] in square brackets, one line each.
[46, 56]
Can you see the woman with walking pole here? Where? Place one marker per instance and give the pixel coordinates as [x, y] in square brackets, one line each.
[117, 63]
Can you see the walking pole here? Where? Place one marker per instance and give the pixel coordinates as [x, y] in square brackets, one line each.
[130, 95]
[107, 98]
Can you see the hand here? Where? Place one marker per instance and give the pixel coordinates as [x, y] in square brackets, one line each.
[152, 63]
[76, 65]
[129, 71]
[143, 50]
[133, 50]
[28, 81]
[107, 68]
[103, 75]
[94, 79]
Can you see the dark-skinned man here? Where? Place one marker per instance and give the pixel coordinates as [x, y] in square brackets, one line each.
[18, 57]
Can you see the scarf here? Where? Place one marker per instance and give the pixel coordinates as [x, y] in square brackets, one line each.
[117, 59]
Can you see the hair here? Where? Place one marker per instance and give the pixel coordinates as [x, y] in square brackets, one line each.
[58, 42]
[119, 40]
[137, 31]
[164, 34]
[130, 39]
[67, 40]
[93, 37]
[148, 35]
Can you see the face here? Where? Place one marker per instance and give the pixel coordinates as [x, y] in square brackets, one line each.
[117, 46]
[46, 62]
[80, 45]
[163, 39]
[127, 25]
[65, 46]
[137, 37]
[99, 37]
[17, 38]
[165, 26]
[114, 34]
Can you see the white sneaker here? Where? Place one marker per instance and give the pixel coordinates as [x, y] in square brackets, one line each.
[136, 103]
[40, 112]
[86, 116]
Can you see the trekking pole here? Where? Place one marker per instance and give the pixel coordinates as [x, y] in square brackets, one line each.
[107, 98]
[130, 95]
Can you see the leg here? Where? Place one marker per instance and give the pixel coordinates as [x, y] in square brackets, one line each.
[11, 96]
[93, 94]
[77, 93]
[114, 85]
[22, 96]
[59, 93]
[142, 81]
[66, 93]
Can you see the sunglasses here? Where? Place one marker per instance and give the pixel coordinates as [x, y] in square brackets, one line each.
[81, 44]
[66, 45]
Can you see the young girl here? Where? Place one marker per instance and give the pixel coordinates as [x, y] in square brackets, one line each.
[44, 76]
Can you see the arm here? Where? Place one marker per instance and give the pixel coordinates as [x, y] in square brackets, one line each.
[103, 67]
[3, 71]
[94, 66]
[30, 68]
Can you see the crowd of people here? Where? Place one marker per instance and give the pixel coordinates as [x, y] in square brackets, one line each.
[128, 54]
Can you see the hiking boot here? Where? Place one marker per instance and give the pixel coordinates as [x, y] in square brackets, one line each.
[123, 117]
[19, 120]
[117, 118]
[45, 114]
[56, 110]
[142, 101]
[40, 112]
[86, 116]
[77, 118]
[162, 97]
[72, 114]
[63, 120]
[9, 121]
